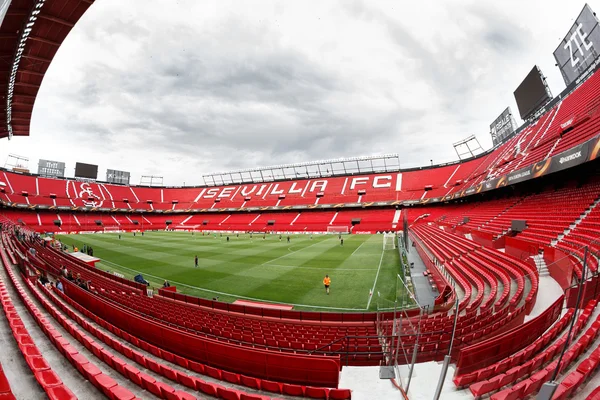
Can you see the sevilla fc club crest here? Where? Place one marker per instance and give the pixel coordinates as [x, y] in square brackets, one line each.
[88, 197]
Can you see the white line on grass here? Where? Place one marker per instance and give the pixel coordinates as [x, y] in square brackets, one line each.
[375, 283]
[234, 295]
[355, 250]
[293, 252]
[318, 268]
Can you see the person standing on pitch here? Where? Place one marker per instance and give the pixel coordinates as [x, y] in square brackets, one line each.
[327, 282]
[341, 242]
[196, 262]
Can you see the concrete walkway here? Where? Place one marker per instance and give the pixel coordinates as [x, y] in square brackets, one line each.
[425, 294]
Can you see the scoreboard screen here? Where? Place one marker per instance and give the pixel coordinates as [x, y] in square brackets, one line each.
[532, 93]
[115, 176]
[51, 169]
[88, 171]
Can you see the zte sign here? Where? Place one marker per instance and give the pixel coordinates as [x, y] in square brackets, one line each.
[577, 52]
[578, 46]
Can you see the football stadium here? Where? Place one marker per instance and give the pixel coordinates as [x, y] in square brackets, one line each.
[340, 278]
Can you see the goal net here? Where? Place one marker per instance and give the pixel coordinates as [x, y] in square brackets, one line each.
[112, 229]
[389, 241]
[337, 229]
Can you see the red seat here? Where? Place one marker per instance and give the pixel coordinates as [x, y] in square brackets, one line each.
[47, 378]
[184, 395]
[133, 374]
[207, 387]
[250, 382]
[105, 383]
[270, 386]
[212, 372]
[120, 393]
[340, 394]
[186, 380]
[292, 390]
[61, 392]
[230, 377]
[37, 363]
[149, 383]
[316, 392]
[246, 396]
[170, 373]
[228, 394]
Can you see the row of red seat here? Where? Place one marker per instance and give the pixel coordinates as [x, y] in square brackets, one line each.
[47, 378]
[534, 368]
[61, 301]
[576, 379]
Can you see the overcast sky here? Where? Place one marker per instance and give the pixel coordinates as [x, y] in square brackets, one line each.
[183, 88]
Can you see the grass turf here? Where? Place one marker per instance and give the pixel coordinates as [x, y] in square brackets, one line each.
[255, 268]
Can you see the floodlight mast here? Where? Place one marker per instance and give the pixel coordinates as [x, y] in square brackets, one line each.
[473, 147]
[151, 180]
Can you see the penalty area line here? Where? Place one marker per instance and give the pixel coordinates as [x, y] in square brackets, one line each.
[375, 283]
[231, 294]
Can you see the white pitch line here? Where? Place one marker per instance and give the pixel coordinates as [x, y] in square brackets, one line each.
[293, 252]
[358, 247]
[331, 269]
[233, 295]
[375, 283]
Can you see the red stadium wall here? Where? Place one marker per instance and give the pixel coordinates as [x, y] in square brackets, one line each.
[280, 367]
[559, 265]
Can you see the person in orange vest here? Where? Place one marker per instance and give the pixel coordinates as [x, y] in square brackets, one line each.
[327, 282]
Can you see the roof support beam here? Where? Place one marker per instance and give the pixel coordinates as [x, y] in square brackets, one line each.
[56, 20]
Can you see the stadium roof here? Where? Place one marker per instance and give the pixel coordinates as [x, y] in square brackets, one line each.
[30, 35]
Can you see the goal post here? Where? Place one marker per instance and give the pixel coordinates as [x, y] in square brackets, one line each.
[338, 229]
[389, 241]
[112, 229]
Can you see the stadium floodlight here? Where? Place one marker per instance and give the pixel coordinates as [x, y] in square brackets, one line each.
[307, 170]
[471, 143]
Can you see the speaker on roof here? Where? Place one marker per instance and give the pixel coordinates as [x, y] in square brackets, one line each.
[217, 200]
[271, 222]
[168, 222]
[98, 222]
[428, 188]
[52, 195]
[175, 202]
[355, 221]
[320, 194]
[247, 198]
[149, 201]
[281, 196]
[518, 225]
[24, 193]
[362, 192]
[57, 222]
[125, 200]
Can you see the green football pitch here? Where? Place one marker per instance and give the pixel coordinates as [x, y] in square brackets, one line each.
[254, 268]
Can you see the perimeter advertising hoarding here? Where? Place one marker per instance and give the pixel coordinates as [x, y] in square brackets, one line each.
[532, 93]
[88, 171]
[51, 169]
[503, 127]
[116, 176]
[578, 50]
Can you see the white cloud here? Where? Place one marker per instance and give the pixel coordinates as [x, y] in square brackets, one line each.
[183, 88]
